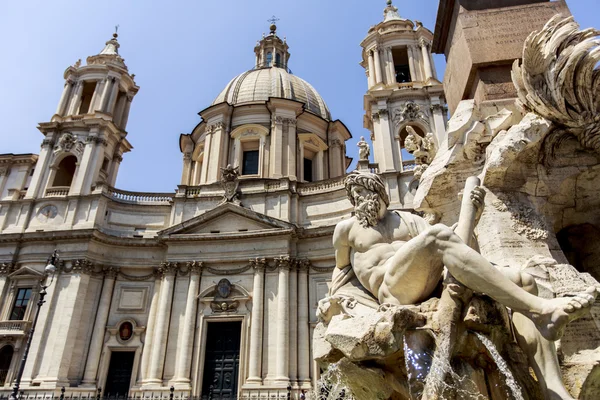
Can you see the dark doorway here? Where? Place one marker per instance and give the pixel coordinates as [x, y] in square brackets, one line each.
[6, 355]
[222, 361]
[119, 374]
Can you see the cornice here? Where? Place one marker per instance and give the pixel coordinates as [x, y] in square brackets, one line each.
[201, 237]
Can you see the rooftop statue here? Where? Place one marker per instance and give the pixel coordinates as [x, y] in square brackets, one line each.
[363, 149]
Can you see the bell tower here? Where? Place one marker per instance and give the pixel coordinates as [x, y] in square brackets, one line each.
[86, 138]
[403, 89]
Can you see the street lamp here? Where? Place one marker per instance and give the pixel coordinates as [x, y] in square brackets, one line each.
[49, 270]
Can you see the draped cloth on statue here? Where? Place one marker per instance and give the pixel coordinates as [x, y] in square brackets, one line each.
[344, 281]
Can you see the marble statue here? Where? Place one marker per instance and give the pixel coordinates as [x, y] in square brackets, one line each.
[399, 259]
[363, 149]
[423, 149]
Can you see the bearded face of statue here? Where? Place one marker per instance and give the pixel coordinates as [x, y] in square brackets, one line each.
[367, 205]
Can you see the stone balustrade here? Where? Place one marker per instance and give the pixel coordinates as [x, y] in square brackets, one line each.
[14, 327]
[57, 191]
[321, 186]
[124, 196]
[408, 165]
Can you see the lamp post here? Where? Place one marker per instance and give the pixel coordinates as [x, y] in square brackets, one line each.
[49, 270]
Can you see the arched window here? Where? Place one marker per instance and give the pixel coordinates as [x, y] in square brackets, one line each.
[6, 355]
[66, 171]
[278, 60]
[269, 59]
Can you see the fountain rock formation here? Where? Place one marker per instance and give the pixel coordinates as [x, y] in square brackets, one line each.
[541, 173]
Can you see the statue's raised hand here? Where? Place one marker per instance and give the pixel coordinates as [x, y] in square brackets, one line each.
[478, 200]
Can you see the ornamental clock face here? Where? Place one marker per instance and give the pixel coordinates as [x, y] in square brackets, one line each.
[47, 213]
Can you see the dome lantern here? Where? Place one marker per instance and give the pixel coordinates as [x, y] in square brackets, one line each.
[271, 50]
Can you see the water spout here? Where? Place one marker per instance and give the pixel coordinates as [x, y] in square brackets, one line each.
[502, 367]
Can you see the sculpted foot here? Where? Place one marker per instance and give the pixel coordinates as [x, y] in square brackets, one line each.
[557, 313]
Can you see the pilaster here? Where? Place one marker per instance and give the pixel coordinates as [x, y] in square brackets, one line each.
[168, 270]
[256, 327]
[378, 77]
[283, 320]
[276, 147]
[90, 375]
[371, 70]
[304, 360]
[183, 359]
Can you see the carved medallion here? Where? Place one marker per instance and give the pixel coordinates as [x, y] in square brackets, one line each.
[47, 213]
[224, 288]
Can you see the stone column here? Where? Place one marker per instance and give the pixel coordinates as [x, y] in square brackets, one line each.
[391, 67]
[63, 98]
[387, 163]
[283, 320]
[76, 99]
[371, 70]
[149, 334]
[5, 269]
[256, 329]
[125, 117]
[95, 95]
[108, 89]
[97, 342]
[161, 330]
[85, 163]
[304, 360]
[116, 163]
[389, 77]
[187, 168]
[184, 349]
[293, 333]
[214, 151]
[414, 75]
[320, 165]
[291, 150]
[119, 110]
[102, 90]
[377, 66]
[437, 110]
[110, 107]
[426, 60]
[276, 148]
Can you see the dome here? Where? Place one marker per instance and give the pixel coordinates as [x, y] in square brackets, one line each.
[257, 85]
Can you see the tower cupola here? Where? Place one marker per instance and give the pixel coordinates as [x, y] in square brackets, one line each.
[271, 50]
[86, 137]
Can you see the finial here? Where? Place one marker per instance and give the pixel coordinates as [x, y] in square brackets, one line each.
[273, 27]
[389, 2]
[116, 34]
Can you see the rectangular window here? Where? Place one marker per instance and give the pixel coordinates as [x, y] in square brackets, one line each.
[250, 163]
[308, 170]
[86, 96]
[401, 66]
[18, 311]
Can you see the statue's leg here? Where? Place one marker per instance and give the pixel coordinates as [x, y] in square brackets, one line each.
[475, 272]
[540, 351]
[411, 274]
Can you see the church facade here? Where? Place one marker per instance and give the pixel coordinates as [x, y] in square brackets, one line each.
[211, 290]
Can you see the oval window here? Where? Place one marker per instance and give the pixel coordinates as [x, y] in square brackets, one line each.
[126, 331]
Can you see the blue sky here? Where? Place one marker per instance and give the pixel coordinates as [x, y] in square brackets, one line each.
[183, 53]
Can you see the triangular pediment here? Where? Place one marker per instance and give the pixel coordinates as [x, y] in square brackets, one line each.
[26, 273]
[226, 219]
